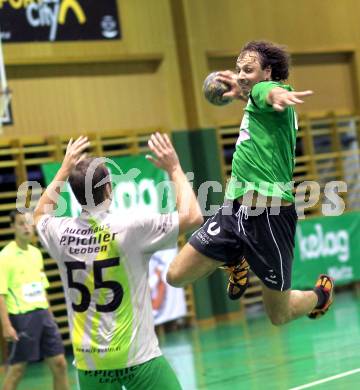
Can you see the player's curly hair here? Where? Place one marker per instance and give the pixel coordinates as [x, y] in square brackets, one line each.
[271, 55]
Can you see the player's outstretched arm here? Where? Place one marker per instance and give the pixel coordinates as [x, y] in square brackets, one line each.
[186, 203]
[280, 98]
[74, 154]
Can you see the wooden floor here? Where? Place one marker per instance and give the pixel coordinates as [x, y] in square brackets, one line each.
[252, 354]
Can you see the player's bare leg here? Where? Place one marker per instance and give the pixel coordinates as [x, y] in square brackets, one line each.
[190, 265]
[285, 306]
[58, 367]
[13, 376]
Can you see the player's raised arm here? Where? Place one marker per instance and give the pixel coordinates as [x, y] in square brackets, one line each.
[229, 78]
[74, 154]
[186, 203]
[280, 98]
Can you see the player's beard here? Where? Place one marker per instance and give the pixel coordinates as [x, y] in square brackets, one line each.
[245, 87]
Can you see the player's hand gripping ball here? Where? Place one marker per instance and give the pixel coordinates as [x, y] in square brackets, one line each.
[214, 90]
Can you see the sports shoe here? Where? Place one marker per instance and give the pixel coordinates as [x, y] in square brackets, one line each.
[326, 284]
[238, 279]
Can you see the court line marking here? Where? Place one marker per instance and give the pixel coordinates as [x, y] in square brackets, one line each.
[330, 378]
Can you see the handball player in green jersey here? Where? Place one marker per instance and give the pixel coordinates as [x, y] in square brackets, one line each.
[103, 258]
[255, 227]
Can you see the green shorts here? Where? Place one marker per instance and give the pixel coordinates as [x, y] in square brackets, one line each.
[155, 374]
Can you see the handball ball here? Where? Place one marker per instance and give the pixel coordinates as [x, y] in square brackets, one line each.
[214, 90]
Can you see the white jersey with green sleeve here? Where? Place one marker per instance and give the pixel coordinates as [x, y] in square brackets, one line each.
[103, 260]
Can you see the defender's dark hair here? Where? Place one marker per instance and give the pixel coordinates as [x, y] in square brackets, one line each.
[99, 173]
[13, 215]
[271, 55]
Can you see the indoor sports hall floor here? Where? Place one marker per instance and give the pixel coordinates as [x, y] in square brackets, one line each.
[252, 354]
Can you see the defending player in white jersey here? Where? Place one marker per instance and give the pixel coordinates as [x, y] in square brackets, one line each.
[103, 260]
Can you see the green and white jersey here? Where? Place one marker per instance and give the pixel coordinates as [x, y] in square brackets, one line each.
[264, 157]
[22, 279]
[103, 260]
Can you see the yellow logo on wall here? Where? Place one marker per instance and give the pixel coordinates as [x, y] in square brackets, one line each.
[67, 5]
[58, 20]
[42, 13]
